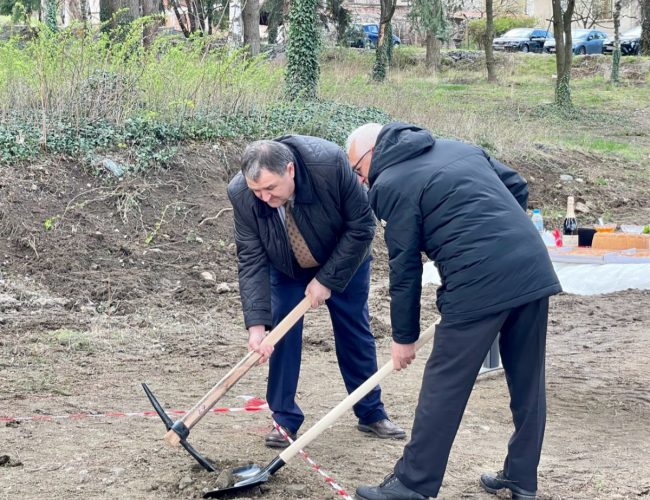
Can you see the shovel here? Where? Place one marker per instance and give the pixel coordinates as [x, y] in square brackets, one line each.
[253, 475]
[177, 432]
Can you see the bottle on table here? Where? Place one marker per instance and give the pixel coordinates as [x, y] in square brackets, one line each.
[538, 220]
[570, 225]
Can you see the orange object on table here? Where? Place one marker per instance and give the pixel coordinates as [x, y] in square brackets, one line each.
[620, 241]
[605, 228]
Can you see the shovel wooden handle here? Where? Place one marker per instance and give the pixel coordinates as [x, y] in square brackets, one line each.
[191, 418]
[349, 401]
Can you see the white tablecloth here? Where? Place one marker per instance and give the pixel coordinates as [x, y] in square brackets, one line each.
[582, 279]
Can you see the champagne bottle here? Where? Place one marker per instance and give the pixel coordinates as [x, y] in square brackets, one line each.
[570, 226]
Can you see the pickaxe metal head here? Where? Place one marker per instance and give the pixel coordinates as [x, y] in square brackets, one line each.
[179, 428]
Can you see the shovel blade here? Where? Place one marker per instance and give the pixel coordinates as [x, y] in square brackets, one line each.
[248, 477]
[243, 484]
[247, 471]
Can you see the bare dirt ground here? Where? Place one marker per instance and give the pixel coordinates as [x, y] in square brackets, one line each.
[107, 284]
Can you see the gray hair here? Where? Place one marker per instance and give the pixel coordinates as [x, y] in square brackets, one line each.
[366, 134]
[268, 155]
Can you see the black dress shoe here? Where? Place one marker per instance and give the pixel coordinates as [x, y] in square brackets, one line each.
[275, 439]
[384, 429]
[391, 488]
[492, 483]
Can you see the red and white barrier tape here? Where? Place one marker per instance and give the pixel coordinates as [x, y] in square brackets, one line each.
[251, 405]
[328, 479]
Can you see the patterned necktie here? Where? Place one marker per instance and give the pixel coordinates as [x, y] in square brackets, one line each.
[298, 244]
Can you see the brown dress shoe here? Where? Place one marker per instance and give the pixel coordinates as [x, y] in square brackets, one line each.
[385, 429]
[275, 439]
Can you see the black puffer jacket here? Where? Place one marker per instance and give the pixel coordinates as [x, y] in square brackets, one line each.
[331, 210]
[465, 211]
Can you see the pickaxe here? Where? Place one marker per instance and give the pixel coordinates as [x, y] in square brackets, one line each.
[252, 475]
[177, 432]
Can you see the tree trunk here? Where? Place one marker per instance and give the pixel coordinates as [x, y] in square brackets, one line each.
[109, 8]
[385, 41]
[388, 42]
[236, 30]
[303, 44]
[104, 10]
[644, 49]
[191, 15]
[251, 21]
[180, 17]
[616, 56]
[489, 36]
[150, 8]
[563, 53]
[75, 10]
[135, 9]
[132, 9]
[433, 46]
[428, 43]
[202, 16]
[50, 10]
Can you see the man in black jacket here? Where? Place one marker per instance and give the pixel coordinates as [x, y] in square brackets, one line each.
[303, 226]
[466, 212]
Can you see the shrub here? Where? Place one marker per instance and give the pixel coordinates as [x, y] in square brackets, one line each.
[406, 57]
[327, 119]
[86, 76]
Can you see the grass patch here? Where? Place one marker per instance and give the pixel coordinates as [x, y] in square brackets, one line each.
[72, 339]
[451, 87]
[512, 115]
[602, 145]
[46, 383]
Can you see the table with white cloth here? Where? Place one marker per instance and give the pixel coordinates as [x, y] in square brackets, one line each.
[588, 272]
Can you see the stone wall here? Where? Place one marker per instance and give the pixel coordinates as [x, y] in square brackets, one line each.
[368, 12]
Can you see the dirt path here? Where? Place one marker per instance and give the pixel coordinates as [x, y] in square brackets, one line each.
[90, 309]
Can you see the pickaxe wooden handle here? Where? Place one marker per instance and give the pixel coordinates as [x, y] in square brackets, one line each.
[181, 428]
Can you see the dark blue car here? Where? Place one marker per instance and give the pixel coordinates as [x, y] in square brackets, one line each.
[523, 40]
[584, 42]
[367, 35]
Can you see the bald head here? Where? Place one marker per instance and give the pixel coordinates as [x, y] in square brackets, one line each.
[362, 139]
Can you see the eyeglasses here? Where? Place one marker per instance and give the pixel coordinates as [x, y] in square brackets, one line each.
[357, 168]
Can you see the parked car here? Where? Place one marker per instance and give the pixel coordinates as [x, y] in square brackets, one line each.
[367, 35]
[584, 42]
[630, 42]
[522, 39]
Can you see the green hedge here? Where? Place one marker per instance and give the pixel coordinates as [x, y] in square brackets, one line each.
[147, 140]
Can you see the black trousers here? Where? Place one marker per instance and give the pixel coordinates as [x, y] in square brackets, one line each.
[458, 351]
